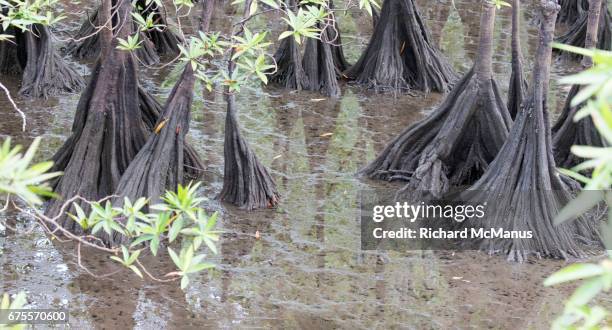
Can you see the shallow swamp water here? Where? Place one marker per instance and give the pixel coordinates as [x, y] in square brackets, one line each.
[306, 268]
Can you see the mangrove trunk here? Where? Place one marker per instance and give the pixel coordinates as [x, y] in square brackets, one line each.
[401, 54]
[453, 145]
[522, 189]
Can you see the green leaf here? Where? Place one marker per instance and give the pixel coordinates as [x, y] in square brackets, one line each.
[175, 229]
[574, 174]
[573, 49]
[285, 34]
[586, 200]
[97, 227]
[174, 258]
[141, 239]
[133, 257]
[184, 282]
[136, 270]
[210, 244]
[271, 3]
[253, 8]
[200, 267]
[154, 245]
[597, 315]
[574, 272]
[5, 303]
[79, 211]
[210, 223]
[591, 152]
[586, 292]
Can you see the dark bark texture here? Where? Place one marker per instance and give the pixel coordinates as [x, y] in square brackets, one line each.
[518, 83]
[246, 182]
[289, 70]
[112, 122]
[318, 69]
[150, 109]
[453, 145]
[577, 33]
[288, 58]
[108, 132]
[401, 54]
[567, 133]
[166, 160]
[522, 187]
[334, 38]
[318, 64]
[160, 163]
[165, 41]
[44, 72]
[10, 62]
[375, 17]
[571, 10]
[87, 44]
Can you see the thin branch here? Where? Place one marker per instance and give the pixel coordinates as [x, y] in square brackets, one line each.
[23, 116]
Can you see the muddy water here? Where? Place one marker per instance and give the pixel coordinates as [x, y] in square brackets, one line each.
[306, 269]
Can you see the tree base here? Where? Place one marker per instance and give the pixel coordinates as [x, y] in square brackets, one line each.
[571, 10]
[524, 192]
[319, 66]
[452, 146]
[160, 163]
[90, 47]
[401, 54]
[165, 40]
[576, 35]
[567, 133]
[246, 182]
[521, 189]
[289, 71]
[106, 135]
[44, 72]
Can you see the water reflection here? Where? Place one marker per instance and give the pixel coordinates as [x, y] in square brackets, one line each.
[453, 40]
[306, 268]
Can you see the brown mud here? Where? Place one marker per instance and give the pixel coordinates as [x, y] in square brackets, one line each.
[306, 270]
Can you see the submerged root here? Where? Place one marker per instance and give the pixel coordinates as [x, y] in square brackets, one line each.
[452, 146]
[322, 64]
[522, 190]
[246, 182]
[571, 10]
[44, 72]
[107, 134]
[289, 70]
[577, 34]
[567, 133]
[401, 54]
[160, 163]
[319, 66]
[90, 46]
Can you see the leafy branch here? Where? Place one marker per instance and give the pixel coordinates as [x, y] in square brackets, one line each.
[597, 278]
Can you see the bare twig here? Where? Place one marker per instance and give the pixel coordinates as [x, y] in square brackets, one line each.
[8, 95]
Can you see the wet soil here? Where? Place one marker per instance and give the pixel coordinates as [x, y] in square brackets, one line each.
[306, 270]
